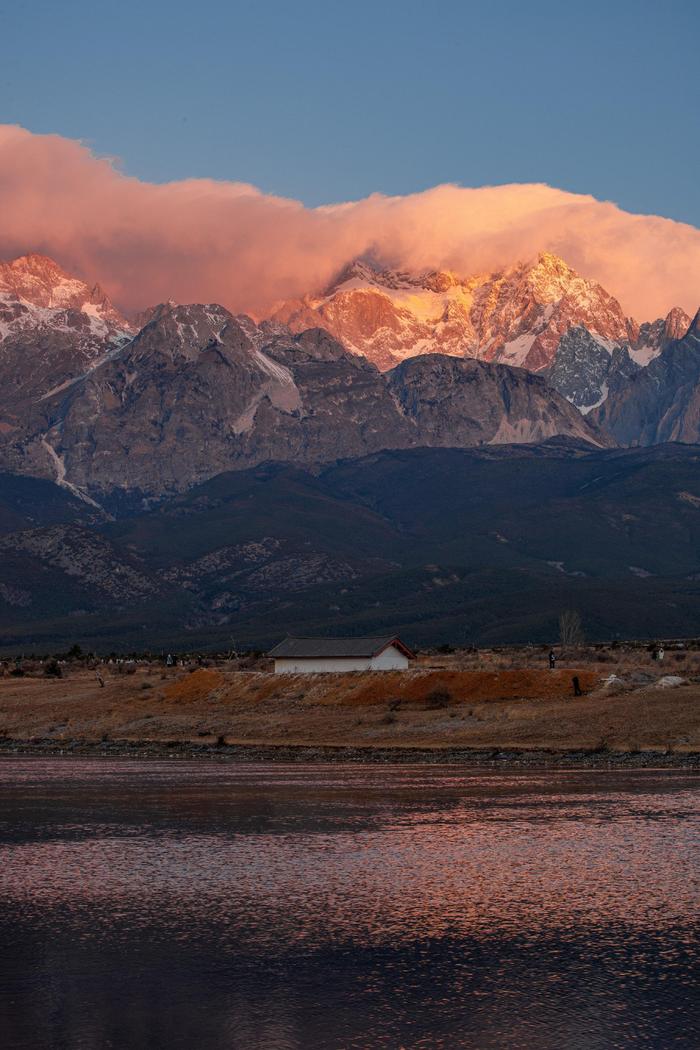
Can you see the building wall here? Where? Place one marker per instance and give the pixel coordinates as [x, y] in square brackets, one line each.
[390, 660]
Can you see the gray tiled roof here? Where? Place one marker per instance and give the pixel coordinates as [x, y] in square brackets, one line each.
[332, 647]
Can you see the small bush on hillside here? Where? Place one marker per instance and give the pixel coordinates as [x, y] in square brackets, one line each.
[17, 672]
[53, 669]
[438, 699]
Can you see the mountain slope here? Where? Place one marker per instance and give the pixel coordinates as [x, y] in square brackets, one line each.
[480, 545]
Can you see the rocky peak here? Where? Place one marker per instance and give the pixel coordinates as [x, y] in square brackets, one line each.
[35, 292]
[40, 281]
[654, 337]
[550, 277]
[694, 328]
[676, 323]
[180, 331]
[362, 274]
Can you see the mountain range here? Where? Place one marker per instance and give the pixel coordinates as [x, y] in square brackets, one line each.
[384, 360]
[462, 456]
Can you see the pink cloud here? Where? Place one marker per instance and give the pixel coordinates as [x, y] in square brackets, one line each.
[203, 240]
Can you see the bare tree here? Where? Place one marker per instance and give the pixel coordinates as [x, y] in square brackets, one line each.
[570, 629]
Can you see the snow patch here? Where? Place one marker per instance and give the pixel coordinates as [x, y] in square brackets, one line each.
[644, 355]
[585, 409]
[273, 369]
[515, 352]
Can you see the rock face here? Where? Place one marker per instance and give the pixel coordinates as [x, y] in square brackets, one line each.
[660, 402]
[198, 392]
[582, 369]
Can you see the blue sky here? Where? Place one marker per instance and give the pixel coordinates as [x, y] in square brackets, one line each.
[327, 102]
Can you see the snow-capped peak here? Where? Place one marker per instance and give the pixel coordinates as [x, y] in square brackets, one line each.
[36, 293]
[516, 315]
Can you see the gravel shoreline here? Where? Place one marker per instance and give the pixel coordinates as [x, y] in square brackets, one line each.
[480, 757]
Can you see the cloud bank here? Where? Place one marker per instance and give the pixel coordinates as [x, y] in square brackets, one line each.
[200, 240]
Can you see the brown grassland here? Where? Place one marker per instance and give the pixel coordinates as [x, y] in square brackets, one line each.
[491, 700]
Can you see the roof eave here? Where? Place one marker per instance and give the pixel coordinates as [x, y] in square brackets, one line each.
[397, 644]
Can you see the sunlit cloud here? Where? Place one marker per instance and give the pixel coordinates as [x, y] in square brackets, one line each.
[208, 241]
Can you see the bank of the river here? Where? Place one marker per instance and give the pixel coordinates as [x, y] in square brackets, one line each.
[485, 716]
[492, 758]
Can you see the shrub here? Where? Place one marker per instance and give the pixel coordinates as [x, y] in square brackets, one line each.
[53, 669]
[437, 699]
[17, 672]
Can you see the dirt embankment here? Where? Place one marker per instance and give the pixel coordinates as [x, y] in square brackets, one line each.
[518, 710]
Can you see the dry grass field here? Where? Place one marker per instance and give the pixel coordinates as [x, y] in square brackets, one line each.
[500, 700]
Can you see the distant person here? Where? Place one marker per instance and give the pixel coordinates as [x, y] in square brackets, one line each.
[552, 660]
[660, 654]
[576, 685]
[169, 660]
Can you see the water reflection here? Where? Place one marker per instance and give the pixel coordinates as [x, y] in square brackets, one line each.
[188, 905]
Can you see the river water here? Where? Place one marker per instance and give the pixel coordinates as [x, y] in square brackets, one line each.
[201, 905]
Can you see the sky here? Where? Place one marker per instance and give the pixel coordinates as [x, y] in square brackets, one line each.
[325, 102]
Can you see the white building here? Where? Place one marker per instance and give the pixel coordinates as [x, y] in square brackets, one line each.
[314, 655]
